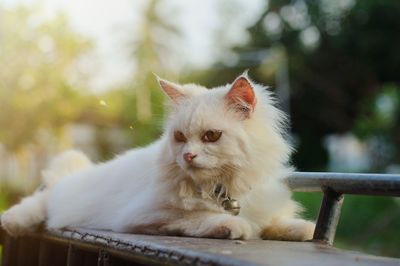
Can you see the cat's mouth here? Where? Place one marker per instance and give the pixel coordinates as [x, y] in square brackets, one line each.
[196, 170]
[193, 167]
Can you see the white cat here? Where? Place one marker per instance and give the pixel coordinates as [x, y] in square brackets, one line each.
[221, 148]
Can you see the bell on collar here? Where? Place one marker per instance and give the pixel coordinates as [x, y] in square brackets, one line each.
[231, 205]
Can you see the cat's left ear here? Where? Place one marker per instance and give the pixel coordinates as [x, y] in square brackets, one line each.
[174, 91]
[241, 96]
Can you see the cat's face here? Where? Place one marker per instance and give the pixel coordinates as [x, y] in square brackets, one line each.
[206, 129]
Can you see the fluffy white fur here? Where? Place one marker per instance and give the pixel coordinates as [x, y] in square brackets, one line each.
[153, 190]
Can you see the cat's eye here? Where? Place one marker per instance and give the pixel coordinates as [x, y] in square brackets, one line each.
[211, 135]
[179, 136]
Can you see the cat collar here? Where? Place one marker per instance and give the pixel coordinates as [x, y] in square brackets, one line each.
[223, 198]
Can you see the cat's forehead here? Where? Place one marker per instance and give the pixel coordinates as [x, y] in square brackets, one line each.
[192, 90]
[201, 111]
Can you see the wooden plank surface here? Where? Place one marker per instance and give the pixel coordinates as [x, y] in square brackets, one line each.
[196, 251]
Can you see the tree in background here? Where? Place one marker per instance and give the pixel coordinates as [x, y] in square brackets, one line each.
[44, 87]
[41, 91]
[138, 108]
[340, 55]
[39, 75]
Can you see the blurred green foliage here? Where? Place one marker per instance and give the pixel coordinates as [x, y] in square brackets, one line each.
[43, 85]
[34, 90]
[340, 58]
[367, 223]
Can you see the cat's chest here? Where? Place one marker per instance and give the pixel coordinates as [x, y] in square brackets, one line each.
[213, 198]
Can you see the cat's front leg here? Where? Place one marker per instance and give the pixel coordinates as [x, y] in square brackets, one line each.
[289, 229]
[208, 225]
[220, 226]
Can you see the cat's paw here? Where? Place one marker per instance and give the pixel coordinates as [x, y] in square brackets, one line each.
[289, 230]
[230, 227]
[306, 230]
[15, 222]
[9, 223]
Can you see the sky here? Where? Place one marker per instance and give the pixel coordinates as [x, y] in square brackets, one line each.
[112, 25]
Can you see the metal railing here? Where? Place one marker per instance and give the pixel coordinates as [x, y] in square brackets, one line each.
[334, 186]
[83, 247]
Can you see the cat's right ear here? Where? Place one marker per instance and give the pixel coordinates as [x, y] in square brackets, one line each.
[173, 91]
[241, 96]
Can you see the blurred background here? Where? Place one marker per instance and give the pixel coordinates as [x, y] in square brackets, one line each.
[79, 74]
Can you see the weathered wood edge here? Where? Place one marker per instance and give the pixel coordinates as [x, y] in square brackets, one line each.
[139, 251]
[146, 250]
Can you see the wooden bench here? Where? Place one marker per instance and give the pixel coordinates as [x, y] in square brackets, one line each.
[74, 246]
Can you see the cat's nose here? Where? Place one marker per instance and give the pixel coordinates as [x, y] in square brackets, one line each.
[189, 157]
